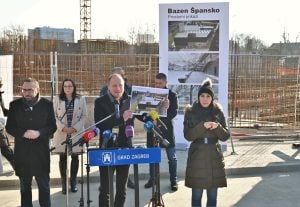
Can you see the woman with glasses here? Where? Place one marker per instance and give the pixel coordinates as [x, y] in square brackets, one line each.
[70, 114]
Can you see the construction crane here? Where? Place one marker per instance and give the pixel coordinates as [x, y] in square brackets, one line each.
[85, 23]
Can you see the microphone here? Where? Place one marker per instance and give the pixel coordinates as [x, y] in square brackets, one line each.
[117, 109]
[87, 136]
[129, 132]
[149, 127]
[146, 117]
[115, 133]
[154, 115]
[106, 135]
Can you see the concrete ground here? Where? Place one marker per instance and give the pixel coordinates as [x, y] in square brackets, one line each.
[276, 189]
[262, 171]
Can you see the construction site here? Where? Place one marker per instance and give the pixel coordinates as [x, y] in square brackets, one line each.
[263, 90]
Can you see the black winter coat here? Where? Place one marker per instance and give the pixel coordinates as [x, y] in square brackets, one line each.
[205, 162]
[32, 157]
[105, 107]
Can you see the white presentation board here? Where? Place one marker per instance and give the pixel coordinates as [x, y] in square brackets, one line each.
[193, 45]
[6, 73]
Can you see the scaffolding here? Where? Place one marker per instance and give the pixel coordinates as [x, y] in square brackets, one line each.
[263, 90]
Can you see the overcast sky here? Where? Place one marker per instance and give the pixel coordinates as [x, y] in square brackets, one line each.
[264, 19]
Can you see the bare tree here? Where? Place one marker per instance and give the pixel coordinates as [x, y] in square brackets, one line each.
[249, 43]
[12, 39]
[132, 35]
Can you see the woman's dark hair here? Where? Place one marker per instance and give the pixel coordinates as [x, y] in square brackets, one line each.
[62, 94]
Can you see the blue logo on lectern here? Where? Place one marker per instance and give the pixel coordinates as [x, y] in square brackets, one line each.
[107, 157]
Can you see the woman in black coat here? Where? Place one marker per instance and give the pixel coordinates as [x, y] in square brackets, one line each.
[205, 125]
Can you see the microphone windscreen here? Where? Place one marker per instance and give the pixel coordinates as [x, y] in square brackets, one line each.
[146, 117]
[129, 131]
[96, 130]
[153, 114]
[107, 134]
[87, 136]
[148, 126]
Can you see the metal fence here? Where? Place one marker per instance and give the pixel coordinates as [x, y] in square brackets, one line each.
[263, 90]
[89, 72]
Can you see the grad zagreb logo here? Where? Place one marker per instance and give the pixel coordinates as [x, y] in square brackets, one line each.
[107, 157]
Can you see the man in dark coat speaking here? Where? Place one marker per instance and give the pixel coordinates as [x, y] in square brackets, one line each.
[31, 122]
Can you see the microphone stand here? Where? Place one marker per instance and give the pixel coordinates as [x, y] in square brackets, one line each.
[81, 201]
[68, 150]
[110, 171]
[111, 185]
[68, 143]
[136, 185]
[84, 130]
[87, 177]
[156, 199]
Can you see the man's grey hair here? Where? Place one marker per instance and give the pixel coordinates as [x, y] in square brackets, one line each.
[117, 69]
[32, 80]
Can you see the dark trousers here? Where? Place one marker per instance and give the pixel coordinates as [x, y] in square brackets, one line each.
[121, 180]
[172, 158]
[211, 193]
[43, 182]
[73, 170]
